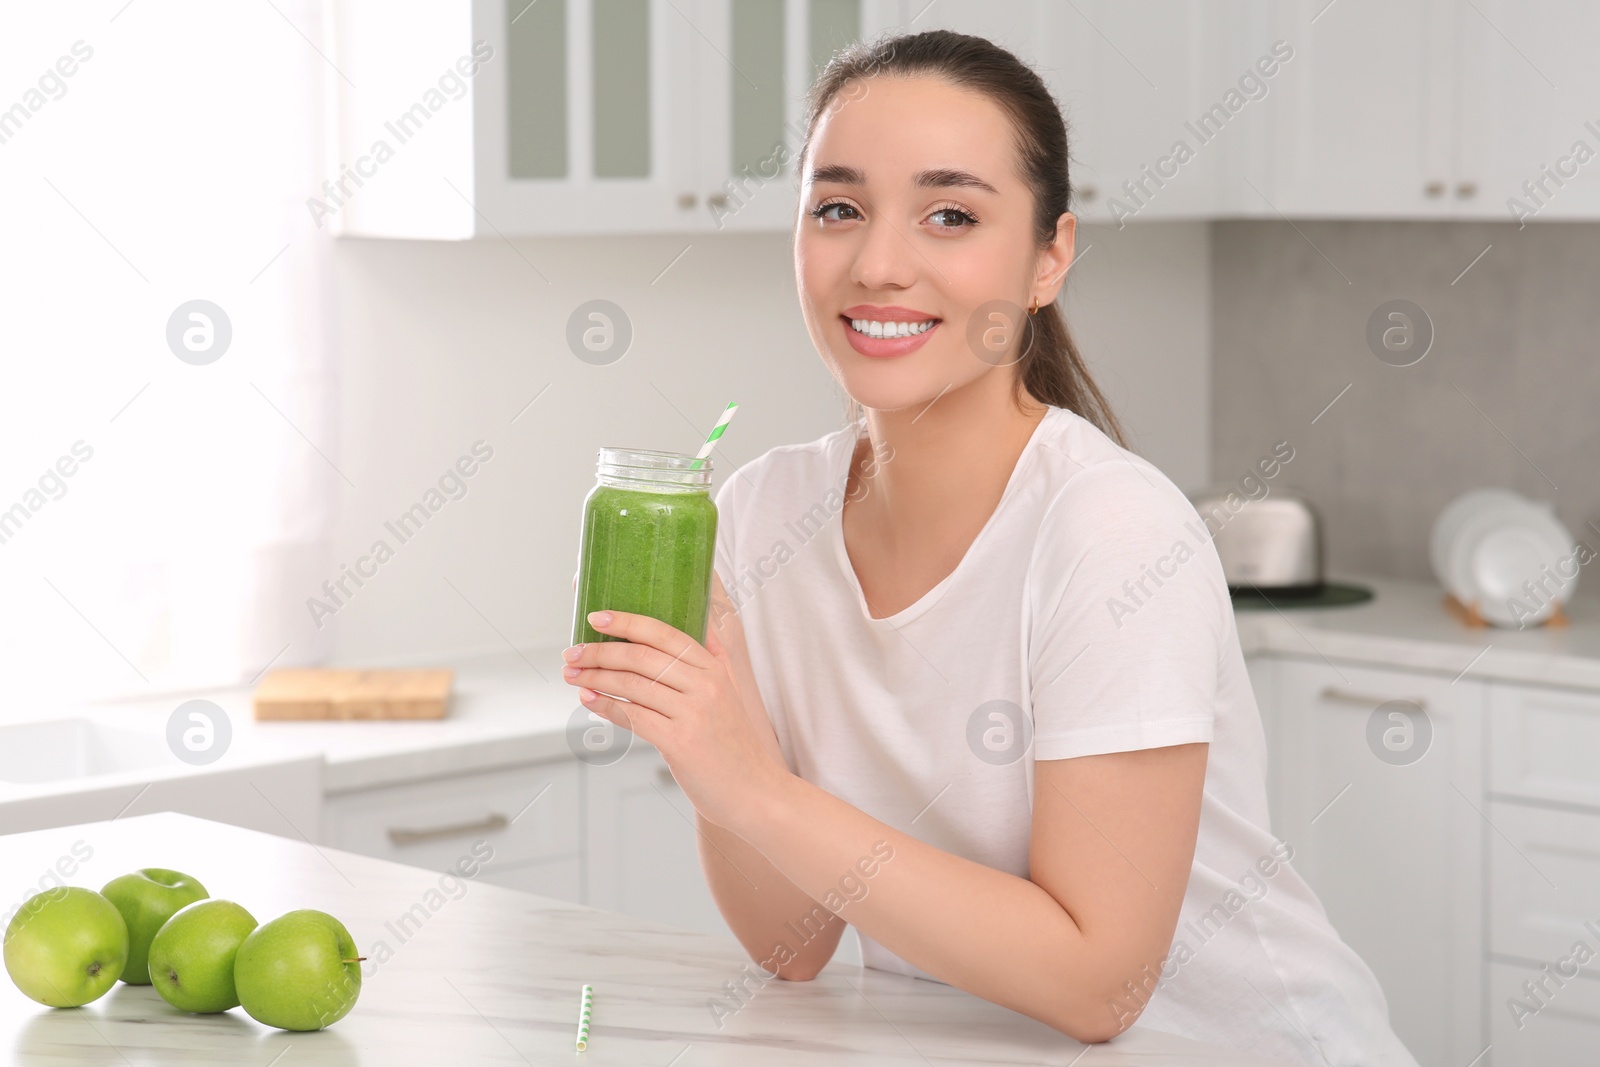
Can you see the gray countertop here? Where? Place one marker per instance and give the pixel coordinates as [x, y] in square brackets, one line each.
[492, 976]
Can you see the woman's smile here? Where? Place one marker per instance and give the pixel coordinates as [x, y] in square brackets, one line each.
[884, 332]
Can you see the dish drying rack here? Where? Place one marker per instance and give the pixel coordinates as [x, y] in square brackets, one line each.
[1468, 614]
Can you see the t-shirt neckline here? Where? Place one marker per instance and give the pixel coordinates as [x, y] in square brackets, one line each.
[907, 614]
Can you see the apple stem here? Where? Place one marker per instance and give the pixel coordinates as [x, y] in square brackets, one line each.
[358, 959]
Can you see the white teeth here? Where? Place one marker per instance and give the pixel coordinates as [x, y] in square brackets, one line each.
[873, 328]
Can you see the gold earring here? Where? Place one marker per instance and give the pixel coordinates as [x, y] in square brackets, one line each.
[1035, 309]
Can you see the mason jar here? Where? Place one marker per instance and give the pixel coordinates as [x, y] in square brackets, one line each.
[648, 543]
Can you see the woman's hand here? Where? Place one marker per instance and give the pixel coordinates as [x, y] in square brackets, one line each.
[687, 700]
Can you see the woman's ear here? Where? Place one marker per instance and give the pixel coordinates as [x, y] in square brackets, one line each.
[1055, 259]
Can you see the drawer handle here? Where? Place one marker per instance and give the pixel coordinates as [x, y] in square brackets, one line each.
[1345, 696]
[433, 833]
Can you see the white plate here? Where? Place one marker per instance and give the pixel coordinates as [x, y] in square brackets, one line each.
[1500, 548]
[1447, 527]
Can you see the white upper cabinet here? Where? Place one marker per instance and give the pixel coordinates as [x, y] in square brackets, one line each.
[1434, 109]
[466, 118]
[1361, 119]
[1137, 80]
[751, 91]
[1528, 121]
[476, 118]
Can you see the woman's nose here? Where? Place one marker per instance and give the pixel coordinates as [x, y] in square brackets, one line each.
[885, 259]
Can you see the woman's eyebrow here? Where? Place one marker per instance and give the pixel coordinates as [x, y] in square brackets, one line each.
[939, 178]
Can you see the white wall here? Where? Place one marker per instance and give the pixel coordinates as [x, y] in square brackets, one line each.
[441, 345]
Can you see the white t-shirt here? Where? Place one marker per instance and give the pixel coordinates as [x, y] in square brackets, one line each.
[1090, 612]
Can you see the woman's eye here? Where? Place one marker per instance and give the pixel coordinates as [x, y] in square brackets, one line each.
[821, 212]
[953, 218]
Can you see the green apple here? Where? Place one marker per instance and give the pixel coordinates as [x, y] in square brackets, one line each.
[191, 957]
[147, 899]
[66, 946]
[298, 972]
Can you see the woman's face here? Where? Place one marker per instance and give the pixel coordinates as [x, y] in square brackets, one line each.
[913, 211]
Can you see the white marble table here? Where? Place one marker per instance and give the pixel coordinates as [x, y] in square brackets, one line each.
[492, 976]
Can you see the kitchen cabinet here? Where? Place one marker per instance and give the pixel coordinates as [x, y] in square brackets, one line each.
[503, 118]
[643, 858]
[1544, 743]
[1382, 776]
[1528, 127]
[1544, 876]
[1132, 96]
[1561, 1030]
[1361, 122]
[577, 116]
[1463, 874]
[617, 835]
[1264, 684]
[529, 816]
[1431, 109]
[1544, 883]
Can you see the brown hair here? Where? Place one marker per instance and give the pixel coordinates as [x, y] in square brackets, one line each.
[1051, 369]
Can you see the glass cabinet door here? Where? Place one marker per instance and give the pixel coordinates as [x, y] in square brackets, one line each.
[647, 116]
[587, 124]
[773, 51]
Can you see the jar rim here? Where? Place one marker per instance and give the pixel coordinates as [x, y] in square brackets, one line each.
[653, 468]
[615, 456]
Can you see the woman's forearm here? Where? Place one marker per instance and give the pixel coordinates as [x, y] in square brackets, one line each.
[784, 930]
[990, 933]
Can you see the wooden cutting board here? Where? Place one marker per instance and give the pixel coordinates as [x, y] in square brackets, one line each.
[317, 693]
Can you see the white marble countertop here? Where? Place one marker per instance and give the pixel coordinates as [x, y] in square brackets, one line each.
[504, 713]
[492, 976]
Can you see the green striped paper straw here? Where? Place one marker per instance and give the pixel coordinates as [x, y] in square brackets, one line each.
[716, 432]
[583, 1017]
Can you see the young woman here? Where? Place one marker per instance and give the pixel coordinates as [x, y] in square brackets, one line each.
[976, 689]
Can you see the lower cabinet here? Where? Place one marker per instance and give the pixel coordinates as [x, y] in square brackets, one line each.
[616, 833]
[1544, 877]
[1451, 829]
[642, 854]
[1539, 1021]
[1264, 683]
[526, 819]
[1381, 778]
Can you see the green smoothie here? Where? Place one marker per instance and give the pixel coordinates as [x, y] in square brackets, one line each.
[647, 552]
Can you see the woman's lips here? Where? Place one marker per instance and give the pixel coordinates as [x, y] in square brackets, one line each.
[886, 347]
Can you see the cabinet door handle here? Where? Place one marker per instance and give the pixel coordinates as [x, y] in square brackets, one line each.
[717, 200]
[400, 836]
[1345, 696]
[1466, 190]
[1088, 193]
[1434, 189]
[664, 776]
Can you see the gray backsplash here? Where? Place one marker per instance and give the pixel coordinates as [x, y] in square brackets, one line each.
[1508, 394]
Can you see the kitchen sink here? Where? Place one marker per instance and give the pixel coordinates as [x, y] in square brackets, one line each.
[59, 749]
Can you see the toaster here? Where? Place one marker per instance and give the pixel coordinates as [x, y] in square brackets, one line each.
[1270, 543]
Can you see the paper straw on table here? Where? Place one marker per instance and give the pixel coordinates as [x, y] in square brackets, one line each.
[583, 1017]
[716, 432]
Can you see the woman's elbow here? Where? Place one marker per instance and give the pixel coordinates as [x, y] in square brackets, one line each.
[1095, 1017]
[1089, 1031]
